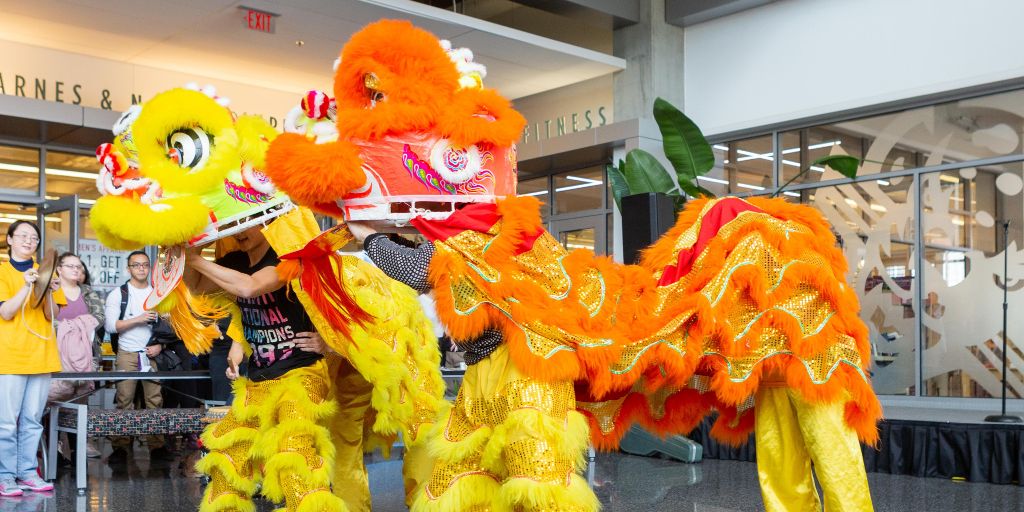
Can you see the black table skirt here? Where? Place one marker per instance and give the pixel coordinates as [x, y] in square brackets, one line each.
[992, 453]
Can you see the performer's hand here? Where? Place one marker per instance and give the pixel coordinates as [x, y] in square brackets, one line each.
[235, 355]
[193, 255]
[31, 275]
[153, 350]
[54, 285]
[310, 342]
[360, 230]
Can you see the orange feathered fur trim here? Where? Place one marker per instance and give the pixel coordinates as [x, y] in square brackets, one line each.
[481, 116]
[314, 173]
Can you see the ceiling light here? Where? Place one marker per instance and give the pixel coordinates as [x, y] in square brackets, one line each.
[538, 193]
[791, 194]
[712, 180]
[753, 187]
[721, 147]
[300, 43]
[49, 172]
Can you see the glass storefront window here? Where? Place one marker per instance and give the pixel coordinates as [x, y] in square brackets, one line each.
[537, 187]
[19, 171]
[963, 215]
[68, 174]
[875, 226]
[579, 190]
[958, 131]
[741, 167]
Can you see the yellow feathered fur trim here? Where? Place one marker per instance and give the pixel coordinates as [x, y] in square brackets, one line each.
[216, 461]
[230, 501]
[476, 491]
[182, 108]
[321, 501]
[255, 136]
[185, 217]
[529, 494]
[443, 449]
[568, 438]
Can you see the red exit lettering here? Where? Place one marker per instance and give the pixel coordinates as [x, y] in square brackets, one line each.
[259, 21]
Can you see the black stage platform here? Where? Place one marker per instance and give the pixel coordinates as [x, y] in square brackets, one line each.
[937, 443]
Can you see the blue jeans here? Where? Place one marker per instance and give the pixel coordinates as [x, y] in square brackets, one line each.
[22, 402]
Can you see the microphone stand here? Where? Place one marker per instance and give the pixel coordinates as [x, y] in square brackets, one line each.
[1005, 418]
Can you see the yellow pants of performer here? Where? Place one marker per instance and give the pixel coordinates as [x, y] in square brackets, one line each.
[791, 434]
[275, 434]
[509, 443]
[350, 483]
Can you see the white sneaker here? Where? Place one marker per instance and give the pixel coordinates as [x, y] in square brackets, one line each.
[9, 488]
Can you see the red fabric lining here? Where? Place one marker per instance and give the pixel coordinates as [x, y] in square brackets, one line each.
[722, 213]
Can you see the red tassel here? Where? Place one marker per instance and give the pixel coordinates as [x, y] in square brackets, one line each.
[322, 280]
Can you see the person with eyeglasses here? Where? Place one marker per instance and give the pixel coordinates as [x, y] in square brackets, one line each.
[134, 328]
[28, 355]
[80, 311]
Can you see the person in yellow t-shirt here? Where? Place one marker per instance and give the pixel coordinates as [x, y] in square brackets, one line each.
[28, 355]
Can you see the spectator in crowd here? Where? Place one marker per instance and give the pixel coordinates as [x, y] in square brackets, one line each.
[28, 355]
[133, 325]
[80, 312]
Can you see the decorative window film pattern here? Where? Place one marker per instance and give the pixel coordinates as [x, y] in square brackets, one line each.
[935, 330]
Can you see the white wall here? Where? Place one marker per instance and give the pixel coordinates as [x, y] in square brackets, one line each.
[798, 58]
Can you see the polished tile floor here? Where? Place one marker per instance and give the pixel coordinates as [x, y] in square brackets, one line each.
[623, 483]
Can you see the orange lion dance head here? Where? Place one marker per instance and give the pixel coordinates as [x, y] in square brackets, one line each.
[417, 133]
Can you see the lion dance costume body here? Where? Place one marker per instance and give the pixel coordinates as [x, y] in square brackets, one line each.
[183, 169]
[742, 303]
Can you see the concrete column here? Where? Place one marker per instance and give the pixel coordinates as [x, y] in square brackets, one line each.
[653, 51]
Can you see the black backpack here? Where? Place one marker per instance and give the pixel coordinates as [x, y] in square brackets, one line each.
[101, 331]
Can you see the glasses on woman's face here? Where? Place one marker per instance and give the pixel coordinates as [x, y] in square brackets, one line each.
[73, 267]
[26, 238]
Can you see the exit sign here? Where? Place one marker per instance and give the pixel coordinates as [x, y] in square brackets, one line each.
[260, 21]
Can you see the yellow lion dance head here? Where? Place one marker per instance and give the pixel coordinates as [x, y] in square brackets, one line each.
[182, 169]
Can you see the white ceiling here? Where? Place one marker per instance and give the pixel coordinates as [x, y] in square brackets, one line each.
[209, 38]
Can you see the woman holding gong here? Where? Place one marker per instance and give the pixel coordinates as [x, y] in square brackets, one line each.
[28, 354]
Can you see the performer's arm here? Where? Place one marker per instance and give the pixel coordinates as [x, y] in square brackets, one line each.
[408, 265]
[240, 285]
[195, 281]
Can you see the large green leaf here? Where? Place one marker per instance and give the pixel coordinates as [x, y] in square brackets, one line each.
[644, 173]
[844, 164]
[685, 145]
[695, 191]
[620, 188]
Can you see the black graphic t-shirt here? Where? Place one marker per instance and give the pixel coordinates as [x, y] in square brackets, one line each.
[271, 322]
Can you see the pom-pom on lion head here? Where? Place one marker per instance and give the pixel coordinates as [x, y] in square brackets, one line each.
[416, 132]
[182, 169]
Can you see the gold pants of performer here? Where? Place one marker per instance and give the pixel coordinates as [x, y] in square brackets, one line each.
[791, 434]
[352, 392]
[509, 443]
[275, 434]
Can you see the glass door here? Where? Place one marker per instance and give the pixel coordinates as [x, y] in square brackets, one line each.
[58, 221]
[582, 233]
